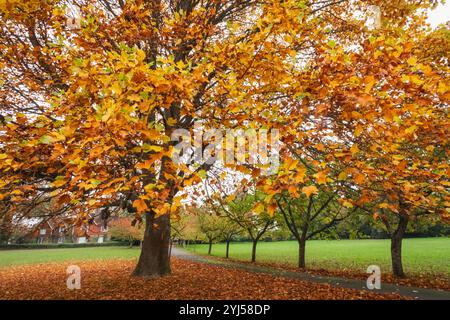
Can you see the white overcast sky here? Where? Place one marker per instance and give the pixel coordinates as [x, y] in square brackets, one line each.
[440, 15]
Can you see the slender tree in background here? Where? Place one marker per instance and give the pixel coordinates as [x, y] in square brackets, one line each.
[229, 230]
[309, 216]
[92, 90]
[210, 227]
[253, 219]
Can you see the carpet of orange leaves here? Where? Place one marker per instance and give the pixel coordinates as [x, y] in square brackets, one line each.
[189, 280]
[426, 280]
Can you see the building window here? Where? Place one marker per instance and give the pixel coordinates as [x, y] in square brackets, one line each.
[42, 232]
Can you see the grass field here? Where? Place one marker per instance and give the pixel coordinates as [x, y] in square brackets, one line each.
[430, 255]
[18, 257]
[425, 255]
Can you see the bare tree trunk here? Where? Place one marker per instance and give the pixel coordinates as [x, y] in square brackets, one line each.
[154, 259]
[255, 242]
[210, 247]
[396, 246]
[301, 253]
[228, 249]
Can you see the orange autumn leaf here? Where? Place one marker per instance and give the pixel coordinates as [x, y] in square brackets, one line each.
[310, 190]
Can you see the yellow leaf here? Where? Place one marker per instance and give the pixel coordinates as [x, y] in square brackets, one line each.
[354, 149]
[300, 176]
[320, 147]
[359, 129]
[370, 82]
[17, 192]
[140, 55]
[321, 177]
[171, 121]
[59, 182]
[231, 198]
[290, 164]
[3, 156]
[412, 61]
[308, 191]
[342, 176]
[148, 148]
[411, 129]
[116, 89]
[293, 190]
[107, 115]
[416, 80]
[201, 174]
[347, 204]
[258, 208]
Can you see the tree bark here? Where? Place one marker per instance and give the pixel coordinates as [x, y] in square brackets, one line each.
[255, 242]
[210, 247]
[396, 246]
[301, 253]
[228, 249]
[154, 259]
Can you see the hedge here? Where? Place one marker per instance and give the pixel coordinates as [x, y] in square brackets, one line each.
[16, 246]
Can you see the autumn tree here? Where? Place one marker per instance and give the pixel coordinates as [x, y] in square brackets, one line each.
[229, 230]
[91, 92]
[246, 211]
[310, 216]
[185, 226]
[179, 226]
[123, 230]
[388, 116]
[210, 226]
[204, 222]
[376, 122]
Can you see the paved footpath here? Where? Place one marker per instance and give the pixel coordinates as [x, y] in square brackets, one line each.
[416, 293]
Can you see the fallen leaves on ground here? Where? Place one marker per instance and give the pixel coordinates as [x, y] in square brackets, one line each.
[189, 280]
[426, 280]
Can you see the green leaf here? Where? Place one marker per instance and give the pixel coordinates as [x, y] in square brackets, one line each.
[45, 139]
[332, 44]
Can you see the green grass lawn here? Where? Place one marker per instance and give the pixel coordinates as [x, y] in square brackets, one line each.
[425, 255]
[430, 255]
[17, 257]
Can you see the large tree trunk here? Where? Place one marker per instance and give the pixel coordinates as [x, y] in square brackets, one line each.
[396, 246]
[301, 253]
[228, 249]
[255, 242]
[154, 259]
